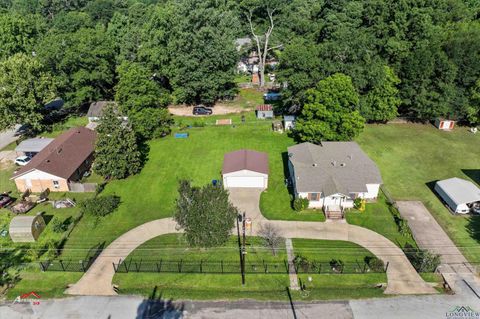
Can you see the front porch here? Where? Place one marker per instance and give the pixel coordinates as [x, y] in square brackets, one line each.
[334, 212]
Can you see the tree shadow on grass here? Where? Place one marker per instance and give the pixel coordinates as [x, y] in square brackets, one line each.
[473, 227]
[473, 174]
[157, 307]
[93, 253]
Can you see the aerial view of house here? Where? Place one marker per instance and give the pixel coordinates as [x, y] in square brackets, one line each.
[62, 161]
[239, 159]
[333, 174]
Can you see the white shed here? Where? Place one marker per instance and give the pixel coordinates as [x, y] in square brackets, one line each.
[458, 194]
[264, 111]
[245, 169]
[289, 122]
[26, 229]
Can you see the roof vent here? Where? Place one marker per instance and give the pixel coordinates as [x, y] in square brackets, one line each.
[343, 164]
[334, 163]
[59, 150]
[350, 157]
[314, 164]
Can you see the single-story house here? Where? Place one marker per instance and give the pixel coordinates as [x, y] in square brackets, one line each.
[245, 169]
[333, 174]
[460, 195]
[264, 111]
[26, 229]
[445, 125]
[63, 161]
[289, 122]
[30, 147]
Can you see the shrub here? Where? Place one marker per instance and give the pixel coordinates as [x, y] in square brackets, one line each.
[300, 204]
[100, 206]
[422, 260]
[61, 226]
[337, 265]
[375, 263]
[301, 262]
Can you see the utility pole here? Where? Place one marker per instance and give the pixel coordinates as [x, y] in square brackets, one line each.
[241, 245]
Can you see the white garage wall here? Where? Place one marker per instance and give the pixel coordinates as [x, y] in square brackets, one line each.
[245, 178]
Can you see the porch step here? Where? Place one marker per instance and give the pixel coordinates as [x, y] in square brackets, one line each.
[334, 215]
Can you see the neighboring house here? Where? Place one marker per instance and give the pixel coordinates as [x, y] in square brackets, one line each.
[95, 113]
[245, 169]
[64, 160]
[289, 122]
[460, 195]
[264, 111]
[30, 147]
[242, 42]
[333, 174]
[445, 125]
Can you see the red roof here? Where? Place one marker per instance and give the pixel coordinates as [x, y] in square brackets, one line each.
[245, 159]
[64, 155]
[265, 107]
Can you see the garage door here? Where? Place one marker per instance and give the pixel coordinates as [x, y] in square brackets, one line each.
[244, 181]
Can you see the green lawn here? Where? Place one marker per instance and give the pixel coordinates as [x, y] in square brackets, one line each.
[412, 157]
[247, 98]
[59, 128]
[151, 194]
[326, 250]
[377, 217]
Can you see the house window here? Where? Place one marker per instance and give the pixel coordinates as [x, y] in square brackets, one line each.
[56, 184]
[314, 196]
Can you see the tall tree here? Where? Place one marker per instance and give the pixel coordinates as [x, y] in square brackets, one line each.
[381, 103]
[26, 88]
[198, 66]
[84, 63]
[116, 150]
[261, 21]
[18, 33]
[205, 214]
[330, 112]
[137, 88]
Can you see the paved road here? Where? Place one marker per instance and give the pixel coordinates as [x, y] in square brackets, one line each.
[430, 235]
[9, 136]
[402, 277]
[131, 307]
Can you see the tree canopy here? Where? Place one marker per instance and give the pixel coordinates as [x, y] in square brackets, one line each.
[330, 112]
[205, 214]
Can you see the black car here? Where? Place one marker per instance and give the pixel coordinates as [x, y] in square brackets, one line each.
[202, 110]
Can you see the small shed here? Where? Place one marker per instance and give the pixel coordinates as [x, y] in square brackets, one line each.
[26, 229]
[289, 122]
[444, 125]
[264, 111]
[460, 195]
[32, 146]
[245, 169]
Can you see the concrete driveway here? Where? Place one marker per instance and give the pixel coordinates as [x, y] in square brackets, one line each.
[430, 235]
[402, 277]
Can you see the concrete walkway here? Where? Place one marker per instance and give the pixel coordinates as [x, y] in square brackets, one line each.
[291, 266]
[430, 235]
[402, 277]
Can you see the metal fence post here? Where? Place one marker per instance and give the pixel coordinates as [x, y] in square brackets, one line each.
[386, 267]
[61, 264]
[114, 268]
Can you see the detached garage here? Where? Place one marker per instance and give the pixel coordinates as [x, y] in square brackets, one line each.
[460, 195]
[245, 169]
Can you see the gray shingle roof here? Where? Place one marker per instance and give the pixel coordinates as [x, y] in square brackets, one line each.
[333, 167]
[460, 191]
[96, 108]
[33, 145]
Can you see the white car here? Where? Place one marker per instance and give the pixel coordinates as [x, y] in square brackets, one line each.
[22, 160]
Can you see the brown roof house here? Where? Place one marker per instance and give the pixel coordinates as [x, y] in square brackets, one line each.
[62, 161]
[245, 169]
[333, 174]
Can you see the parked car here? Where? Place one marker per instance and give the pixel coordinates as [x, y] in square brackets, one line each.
[202, 110]
[22, 160]
[272, 96]
[5, 200]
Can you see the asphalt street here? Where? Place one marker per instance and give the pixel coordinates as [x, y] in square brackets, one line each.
[9, 136]
[133, 307]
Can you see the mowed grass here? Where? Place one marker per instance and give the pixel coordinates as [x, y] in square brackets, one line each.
[377, 217]
[151, 194]
[326, 250]
[412, 157]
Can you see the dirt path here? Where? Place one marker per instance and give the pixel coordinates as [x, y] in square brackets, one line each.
[402, 277]
[219, 109]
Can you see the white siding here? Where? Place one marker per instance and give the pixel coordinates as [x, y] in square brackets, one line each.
[245, 179]
[331, 200]
[37, 174]
[372, 191]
